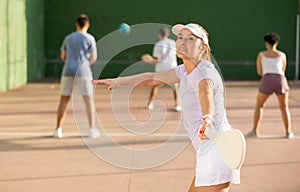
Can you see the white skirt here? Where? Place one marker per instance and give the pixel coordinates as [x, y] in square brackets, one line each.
[210, 167]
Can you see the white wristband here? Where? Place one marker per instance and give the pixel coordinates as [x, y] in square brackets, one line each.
[208, 115]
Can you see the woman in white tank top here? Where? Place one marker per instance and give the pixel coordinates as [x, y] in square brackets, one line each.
[271, 65]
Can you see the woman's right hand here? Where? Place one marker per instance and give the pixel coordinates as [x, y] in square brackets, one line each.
[202, 131]
[147, 58]
[112, 83]
[206, 124]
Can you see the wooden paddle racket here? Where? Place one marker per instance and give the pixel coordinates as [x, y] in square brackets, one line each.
[231, 144]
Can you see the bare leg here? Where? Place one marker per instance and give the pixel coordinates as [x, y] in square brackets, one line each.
[62, 110]
[90, 109]
[258, 112]
[224, 187]
[285, 112]
[153, 94]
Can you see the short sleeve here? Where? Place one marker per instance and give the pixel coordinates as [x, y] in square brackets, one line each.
[208, 71]
[64, 45]
[93, 47]
[157, 50]
[179, 70]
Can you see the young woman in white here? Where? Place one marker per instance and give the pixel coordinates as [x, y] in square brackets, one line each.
[202, 96]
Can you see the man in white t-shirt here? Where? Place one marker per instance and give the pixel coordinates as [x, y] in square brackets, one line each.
[164, 58]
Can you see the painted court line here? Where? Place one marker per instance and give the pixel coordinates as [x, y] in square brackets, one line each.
[35, 134]
[77, 134]
[276, 137]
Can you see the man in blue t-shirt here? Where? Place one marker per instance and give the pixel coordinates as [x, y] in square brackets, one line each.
[78, 51]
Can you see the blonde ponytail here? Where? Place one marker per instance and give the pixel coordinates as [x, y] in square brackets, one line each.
[207, 53]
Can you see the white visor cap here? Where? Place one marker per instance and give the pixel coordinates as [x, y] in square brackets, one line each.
[194, 28]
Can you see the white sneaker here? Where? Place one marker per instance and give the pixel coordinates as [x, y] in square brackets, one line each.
[290, 135]
[58, 133]
[94, 133]
[150, 106]
[178, 108]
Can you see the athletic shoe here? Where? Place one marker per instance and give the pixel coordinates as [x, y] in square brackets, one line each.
[150, 106]
[58, 133]
[290, 135]
[251, 134]
[94, 133]
[178, 108]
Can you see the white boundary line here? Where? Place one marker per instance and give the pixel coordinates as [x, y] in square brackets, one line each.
[276, 137]
[78, 134]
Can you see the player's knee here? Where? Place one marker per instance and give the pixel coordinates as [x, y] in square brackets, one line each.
[283, 107]
[260, 105]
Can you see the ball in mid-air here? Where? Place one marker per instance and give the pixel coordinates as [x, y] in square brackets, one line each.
[124, 28]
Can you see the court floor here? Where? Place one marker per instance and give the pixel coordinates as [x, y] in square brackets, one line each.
[31, 160]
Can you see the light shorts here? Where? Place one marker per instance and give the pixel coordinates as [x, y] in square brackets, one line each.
[85, 85]
[211, 168]
[271, 83]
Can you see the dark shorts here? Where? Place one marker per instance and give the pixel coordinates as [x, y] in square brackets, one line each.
[271, 83]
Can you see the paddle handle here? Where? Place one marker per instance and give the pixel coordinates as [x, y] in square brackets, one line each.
[211, 133]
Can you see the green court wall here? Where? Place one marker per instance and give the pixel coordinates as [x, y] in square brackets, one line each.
[32, 32]
[22, 42]
[236, 28]
[35, 39]
[13, 56]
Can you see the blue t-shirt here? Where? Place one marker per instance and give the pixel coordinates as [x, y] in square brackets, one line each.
[78, 47]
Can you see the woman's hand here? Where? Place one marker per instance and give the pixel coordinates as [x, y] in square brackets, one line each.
[112, 83]
[147, 58]
[206, 123]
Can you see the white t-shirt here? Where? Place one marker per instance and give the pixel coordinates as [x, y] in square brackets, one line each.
[165, 50]
[189, 96]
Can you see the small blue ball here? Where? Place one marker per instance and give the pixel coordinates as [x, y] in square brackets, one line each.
[124, 28]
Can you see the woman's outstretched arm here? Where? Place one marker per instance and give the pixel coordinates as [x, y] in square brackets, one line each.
[143, 79]
[207, 105]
